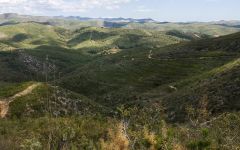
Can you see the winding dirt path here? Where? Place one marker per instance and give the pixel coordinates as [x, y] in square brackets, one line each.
[4, 104]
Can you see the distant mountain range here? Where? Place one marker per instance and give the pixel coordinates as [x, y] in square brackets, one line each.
[214, 28]
[120, 19]
[144, 20]
[8, 16]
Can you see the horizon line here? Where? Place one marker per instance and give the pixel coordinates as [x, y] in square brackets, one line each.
[150, 18]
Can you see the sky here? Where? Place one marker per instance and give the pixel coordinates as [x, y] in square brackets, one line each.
[160, 10]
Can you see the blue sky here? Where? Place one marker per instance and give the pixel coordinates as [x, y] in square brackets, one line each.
[161, 10]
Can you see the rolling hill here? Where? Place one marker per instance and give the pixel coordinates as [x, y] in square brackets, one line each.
[141, 85]
[104, 64]
[112, 76]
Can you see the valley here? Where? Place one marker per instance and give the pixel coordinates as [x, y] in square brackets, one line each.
[73, 84]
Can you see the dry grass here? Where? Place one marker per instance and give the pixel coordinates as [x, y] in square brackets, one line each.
[116, 140]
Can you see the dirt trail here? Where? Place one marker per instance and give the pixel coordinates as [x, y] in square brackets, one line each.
[4, 104]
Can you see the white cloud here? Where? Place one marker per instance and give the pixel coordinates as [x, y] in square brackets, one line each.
[40, 6]
[12, 2]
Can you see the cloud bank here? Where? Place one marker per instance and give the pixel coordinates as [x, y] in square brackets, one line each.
[67, 6]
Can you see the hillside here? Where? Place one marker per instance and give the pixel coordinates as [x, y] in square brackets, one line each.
[118, 88]
[216, 86]
[109, 41]
[25, 46]
[31, 35]
[110, 77]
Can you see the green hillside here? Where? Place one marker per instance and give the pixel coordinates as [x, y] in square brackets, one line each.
[216, 86]
[25, 47]
[31, 35]
[119, 88]
[133, 73]
[107, 41]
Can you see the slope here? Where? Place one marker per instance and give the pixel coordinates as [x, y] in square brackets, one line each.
[104, 41]
[39, 100]
[30, 35]
[217, 88]
[119, 78]
[4, 104]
